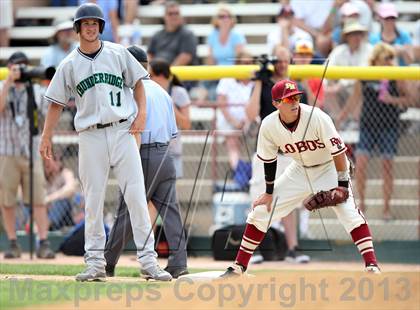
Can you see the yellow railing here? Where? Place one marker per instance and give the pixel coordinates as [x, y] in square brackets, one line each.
[191, 73]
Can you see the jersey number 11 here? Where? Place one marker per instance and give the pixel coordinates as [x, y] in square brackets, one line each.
[111, 95]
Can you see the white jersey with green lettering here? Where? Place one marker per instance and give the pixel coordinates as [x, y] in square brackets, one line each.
[100, 85]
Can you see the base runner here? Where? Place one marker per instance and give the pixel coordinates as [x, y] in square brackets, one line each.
[99, 75]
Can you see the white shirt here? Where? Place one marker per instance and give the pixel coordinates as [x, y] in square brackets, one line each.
[313, 12]
[342, 56]
[275, 37]
[318, 146]
[236, 93]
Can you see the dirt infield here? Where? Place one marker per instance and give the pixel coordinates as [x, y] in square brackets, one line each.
[275, 285]
[276, 290]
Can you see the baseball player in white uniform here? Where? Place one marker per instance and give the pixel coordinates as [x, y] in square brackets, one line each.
[308, 136]
[100, 75]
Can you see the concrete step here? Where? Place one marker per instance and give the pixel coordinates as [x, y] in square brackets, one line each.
[381, 230]
[405, 167]
[403, 188]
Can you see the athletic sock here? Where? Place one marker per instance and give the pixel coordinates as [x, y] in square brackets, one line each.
[363, 240]
[250, 241]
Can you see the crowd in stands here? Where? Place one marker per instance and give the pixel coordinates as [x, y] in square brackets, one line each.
[342, 32]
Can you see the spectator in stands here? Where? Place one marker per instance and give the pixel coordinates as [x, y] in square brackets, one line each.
[348, 12]
[224, 42]
[61, 189]
[312, 87]
[6, 21]
[342, 10]
[390, 34]
[110, 9]
[286, 33]
[260, 102]
[260, 105]
[14, 159]
[313, 23]
[354, 51]
[235, 93]
[160, 72]
[63, 44]
[382, 103]
[175, 43]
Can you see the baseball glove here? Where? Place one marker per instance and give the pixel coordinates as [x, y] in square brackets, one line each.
[324, 199]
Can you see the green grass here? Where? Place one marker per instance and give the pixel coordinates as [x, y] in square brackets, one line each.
[20, 293]
[67, 270]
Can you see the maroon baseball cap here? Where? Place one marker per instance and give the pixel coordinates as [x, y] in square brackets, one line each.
[284, 89]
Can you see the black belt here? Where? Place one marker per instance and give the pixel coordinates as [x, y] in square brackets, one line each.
[101, 126]
[154, 144]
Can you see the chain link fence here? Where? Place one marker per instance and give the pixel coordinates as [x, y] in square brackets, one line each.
[210, 193]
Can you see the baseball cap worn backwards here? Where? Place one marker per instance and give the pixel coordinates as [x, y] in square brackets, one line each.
[17, 58]
[284, 89]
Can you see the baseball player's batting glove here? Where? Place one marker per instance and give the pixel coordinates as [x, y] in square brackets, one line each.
[324, 199]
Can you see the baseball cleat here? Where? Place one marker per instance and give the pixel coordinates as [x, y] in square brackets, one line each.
[13, 252]
[234, 271]
[291, 257]
[372, 268]
[298, 259]
[177, 272]
[156, 273]
[90, 274]
[44, 251]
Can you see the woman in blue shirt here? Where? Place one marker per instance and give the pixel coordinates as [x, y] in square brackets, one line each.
[224, 41]
[392, 35]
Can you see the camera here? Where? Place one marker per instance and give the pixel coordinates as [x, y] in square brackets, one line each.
[264, 74]
[29, 73]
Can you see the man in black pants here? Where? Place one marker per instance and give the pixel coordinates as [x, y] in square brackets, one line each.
[159, 178]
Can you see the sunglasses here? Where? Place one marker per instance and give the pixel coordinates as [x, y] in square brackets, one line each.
[291, 99]
[223, 16]
[172, 13]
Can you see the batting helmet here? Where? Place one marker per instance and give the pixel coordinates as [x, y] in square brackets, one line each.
[138, 53]
[89, 10]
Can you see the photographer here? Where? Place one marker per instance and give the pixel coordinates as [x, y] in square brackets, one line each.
[260, 102]
[261, 105]
[14, 159]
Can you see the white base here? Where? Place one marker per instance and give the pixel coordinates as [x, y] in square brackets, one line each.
[207, 276]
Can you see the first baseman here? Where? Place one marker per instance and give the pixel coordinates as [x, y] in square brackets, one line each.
[100, 75]
[309, 137]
